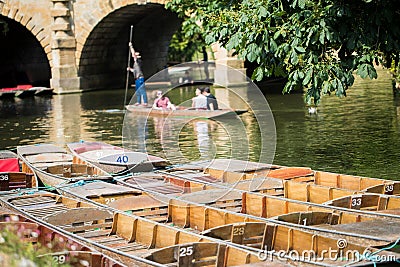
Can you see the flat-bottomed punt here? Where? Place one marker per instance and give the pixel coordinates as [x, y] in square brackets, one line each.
[129, 238]
[54, 166]
[113, 159]
[223, 208]
[183, 113]
[147, 235]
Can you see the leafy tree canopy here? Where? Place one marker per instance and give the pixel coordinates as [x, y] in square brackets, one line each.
[183, 49]
[319, 45]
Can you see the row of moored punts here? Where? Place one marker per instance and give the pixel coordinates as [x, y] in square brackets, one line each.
[115, 207]
[25, 90]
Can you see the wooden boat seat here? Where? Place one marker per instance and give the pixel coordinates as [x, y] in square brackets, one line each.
[40, 149]
[71, 170]
[49, 157]
[14, 180]
[151, 213]
[229, 204]
[190, 254]
[387, 188]
[249, 233]
[366, 201]
[309, 218]
[81, 219]
[49, 209]
[156, 184]
[288, 173]
[28, 202]
[138, 203]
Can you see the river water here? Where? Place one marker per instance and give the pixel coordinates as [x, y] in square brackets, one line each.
[358, 134]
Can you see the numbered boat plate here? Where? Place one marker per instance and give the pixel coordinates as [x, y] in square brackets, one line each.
[127, 158]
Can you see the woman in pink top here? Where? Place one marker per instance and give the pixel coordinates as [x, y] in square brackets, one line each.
[162, 102]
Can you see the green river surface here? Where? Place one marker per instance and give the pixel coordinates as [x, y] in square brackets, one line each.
[358, 134]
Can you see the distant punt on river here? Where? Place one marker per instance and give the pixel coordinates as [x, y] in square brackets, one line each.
[183, 112]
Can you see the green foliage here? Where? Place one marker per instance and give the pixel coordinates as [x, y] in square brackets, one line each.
[14, 252]
[185, 43]
[318, 45]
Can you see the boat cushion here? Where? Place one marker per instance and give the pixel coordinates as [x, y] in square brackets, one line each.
[9, 165]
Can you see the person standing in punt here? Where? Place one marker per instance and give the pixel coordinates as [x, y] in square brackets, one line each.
[139, 77]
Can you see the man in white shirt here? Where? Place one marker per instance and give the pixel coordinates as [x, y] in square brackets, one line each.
[200, 100]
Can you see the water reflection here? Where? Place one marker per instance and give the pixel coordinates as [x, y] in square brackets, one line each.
[359, 134]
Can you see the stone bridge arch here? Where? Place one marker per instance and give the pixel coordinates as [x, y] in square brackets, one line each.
[83, 43]
[26, 51]
[102, 50]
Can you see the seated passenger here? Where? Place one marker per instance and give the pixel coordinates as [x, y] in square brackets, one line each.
[212, 103]
[162, 102]
[199, 101]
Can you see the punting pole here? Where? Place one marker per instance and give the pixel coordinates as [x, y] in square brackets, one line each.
[127, 71]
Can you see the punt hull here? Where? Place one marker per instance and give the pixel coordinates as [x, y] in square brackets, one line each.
[53, 166]
[130, 239]
[114, 159]
[183, 113]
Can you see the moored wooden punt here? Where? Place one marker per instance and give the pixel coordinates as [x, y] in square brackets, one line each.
[298, 174]
[54, 166]
[319, 194]
[367, 201]
[225, 211]
[154, 182]
[323, 194]
[344, 181]
[220, 224]
[231, 165]
[113, 159]
[62, 249]
[7, 93]
[292, 189]
[168, 183]
[304, 192]
[183, 113]
[254, 207]
[230, 179]
[358, 183]
[131, 239]
[188, 181]
[310, 218]
[42, 91]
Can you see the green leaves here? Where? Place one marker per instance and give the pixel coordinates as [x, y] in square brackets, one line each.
[317, 45]
[258, 74]
[367, 70]
[252, 52]
[308, 77]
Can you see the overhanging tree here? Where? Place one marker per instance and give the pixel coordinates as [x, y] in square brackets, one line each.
[317, 45]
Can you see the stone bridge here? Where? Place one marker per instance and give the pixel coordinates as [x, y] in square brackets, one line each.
[74, 45]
